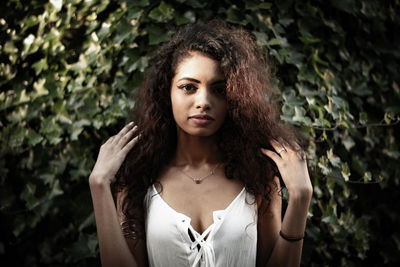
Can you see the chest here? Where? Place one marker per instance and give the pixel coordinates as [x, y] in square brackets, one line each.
[198, 201]
[231, 239]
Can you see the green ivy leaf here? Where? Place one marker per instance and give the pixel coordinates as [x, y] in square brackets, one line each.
[234, 15]
[162, 13]
[187, 17]
[40, 65]
[367, 177]
[345, 171]
[156, 35]
[55, 190]
[333, 159]
[17, 137]
[77, 128]
[89, 221]
[85, 247]
[33, 137]
[125, 31]
[278, 41]
[309, 40]
[51, 130]
[19, 224]
[29, 196]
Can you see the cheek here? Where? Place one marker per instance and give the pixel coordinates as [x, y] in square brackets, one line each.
[178, 108]
[174, 101]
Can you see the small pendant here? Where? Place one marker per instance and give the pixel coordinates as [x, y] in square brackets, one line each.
[197, 181]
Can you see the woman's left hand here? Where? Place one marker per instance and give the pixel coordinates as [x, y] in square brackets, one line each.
[292, 166]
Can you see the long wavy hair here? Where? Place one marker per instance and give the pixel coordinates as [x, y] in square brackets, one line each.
[252, 119]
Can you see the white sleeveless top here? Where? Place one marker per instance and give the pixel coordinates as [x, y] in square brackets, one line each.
[231, 240]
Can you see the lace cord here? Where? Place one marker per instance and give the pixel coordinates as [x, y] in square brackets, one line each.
[206, 252]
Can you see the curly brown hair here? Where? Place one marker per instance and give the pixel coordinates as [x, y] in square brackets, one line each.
[252, 119]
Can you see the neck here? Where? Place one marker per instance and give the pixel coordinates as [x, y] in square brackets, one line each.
[196, 150]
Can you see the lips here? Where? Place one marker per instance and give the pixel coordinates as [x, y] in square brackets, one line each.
[202, 117]
[202, 120]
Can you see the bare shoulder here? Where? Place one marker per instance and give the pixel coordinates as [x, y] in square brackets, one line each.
[133, 231]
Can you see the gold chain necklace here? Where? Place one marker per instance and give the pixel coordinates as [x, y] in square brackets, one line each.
[200, 180]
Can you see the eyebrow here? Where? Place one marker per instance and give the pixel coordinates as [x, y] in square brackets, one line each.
[197, 81]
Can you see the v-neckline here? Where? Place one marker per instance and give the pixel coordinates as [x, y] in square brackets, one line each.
[189, 218]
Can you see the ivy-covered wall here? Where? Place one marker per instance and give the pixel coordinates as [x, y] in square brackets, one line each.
[68, 70]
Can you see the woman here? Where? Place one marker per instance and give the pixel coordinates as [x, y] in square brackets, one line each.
[198, 173]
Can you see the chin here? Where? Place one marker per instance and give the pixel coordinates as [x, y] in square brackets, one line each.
[200, 132]
[203, 133]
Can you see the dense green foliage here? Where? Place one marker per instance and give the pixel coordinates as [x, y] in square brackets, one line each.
[68, 70]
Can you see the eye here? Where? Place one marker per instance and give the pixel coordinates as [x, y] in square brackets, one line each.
[188, 88]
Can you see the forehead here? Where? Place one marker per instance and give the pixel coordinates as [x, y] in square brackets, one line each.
[200, 66]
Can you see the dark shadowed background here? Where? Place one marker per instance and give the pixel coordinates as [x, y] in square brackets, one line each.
[69, 71]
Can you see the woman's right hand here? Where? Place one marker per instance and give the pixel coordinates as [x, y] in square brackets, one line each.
[112, 154]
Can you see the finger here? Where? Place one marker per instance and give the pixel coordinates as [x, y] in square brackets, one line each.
[296, 146]
[271, 154]
[278, 147]
[125, 139]
[109, 140]
[123, 132]
[129, 146]
[292, 148]
[285, 144]
[298, 150]
[287, 148]
[301, 154]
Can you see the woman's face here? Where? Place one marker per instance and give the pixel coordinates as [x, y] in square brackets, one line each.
[198, 95]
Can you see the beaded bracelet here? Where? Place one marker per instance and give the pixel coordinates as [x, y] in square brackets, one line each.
[291, 238]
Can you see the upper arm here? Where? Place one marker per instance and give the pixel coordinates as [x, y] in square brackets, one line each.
[136, 245]
[269, 225]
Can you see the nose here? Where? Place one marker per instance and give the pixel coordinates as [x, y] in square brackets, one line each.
[203, 100]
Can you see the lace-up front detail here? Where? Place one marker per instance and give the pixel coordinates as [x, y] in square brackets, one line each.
[231, 240]
[206, 252]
